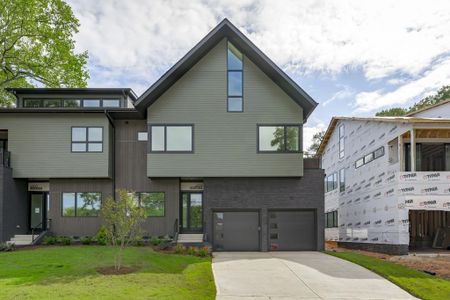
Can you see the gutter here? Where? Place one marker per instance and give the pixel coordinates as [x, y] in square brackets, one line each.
[113, 154]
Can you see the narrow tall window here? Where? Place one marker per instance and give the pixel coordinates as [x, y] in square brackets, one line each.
[235, 79]
[342, 180]
[341, 141]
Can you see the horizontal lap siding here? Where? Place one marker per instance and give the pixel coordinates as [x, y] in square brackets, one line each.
[40, 146]
[225, 143]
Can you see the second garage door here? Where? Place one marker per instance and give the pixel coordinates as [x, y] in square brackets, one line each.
[292, 230]
[236, 231]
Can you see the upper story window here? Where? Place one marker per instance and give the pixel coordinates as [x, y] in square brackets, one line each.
[171, 138]
[235, 79]
[70, 103]
[91, 102]
[87, 139]
[341, 141]
[379, 152]
[331, 182]
[279, 138]
[111, 103]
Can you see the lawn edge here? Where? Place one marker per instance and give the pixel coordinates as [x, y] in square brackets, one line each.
[376, 272]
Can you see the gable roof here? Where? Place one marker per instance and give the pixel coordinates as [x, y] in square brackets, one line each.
[226, 29]
[335, 120]
[428, 107]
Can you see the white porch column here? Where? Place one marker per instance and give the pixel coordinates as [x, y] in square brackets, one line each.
[401, 153]
[413, 150]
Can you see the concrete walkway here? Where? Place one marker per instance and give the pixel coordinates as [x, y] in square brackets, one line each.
[296, 275]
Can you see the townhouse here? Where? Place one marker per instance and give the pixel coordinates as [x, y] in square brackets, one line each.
[212, 151]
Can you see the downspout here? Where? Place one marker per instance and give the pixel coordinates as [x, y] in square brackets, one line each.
[113, 154]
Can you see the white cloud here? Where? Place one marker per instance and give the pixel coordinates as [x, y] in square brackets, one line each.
[136, 41]
[309, 130]
[431, 81]
[344, 92]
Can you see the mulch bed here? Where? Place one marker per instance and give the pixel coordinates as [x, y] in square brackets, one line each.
[112, 270]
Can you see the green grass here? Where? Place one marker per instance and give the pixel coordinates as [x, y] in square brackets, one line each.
[415, 282]
[70, 273]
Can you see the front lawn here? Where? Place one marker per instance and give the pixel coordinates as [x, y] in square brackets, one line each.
[415, 282]
[70, 273]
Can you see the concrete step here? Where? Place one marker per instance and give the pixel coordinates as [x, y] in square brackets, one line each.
[19, 243]
[23, 238]
[190, 238]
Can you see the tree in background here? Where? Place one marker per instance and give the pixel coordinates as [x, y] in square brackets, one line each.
[392, 112]
[441, 95]
[37, 46]
[316, 141]
[122, 219]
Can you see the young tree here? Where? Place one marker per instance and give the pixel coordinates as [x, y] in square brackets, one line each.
[316, 141]
[122, 218]
[37, 46]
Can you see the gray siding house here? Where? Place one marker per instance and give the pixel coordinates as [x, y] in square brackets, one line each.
[213, 149]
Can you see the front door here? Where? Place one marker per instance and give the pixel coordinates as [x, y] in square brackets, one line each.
[191, 214]
[37, 213]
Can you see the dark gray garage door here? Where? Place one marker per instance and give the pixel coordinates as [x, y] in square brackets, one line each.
[236, 231]
[292, 230]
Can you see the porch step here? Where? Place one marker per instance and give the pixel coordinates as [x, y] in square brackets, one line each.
[190, 238]
[22, 239]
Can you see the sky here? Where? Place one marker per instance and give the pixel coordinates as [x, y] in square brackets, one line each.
[352, 57]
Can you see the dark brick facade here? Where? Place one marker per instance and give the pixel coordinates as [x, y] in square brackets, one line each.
[383, 248]
[263, 194]
[13, 205]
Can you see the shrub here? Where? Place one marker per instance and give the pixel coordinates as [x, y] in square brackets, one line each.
[192, 251]
[7, 247]
[138, 242]
[66, 240]
[155, 241]
[86, 240]
[179, 249]
[50, 240]
[102, 236]
[203, 251]
[165, 245]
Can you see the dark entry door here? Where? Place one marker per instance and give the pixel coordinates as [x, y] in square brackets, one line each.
[37, 213]
[292, 230]
[191, 212]
[236, 231]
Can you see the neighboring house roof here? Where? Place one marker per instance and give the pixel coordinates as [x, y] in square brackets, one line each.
[335, 120]
[428, 107]
[228, 30]
[74, 91]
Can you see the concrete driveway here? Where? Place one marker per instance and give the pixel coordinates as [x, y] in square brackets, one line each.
[296, 275]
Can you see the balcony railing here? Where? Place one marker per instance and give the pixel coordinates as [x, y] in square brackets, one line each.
[5, 158]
